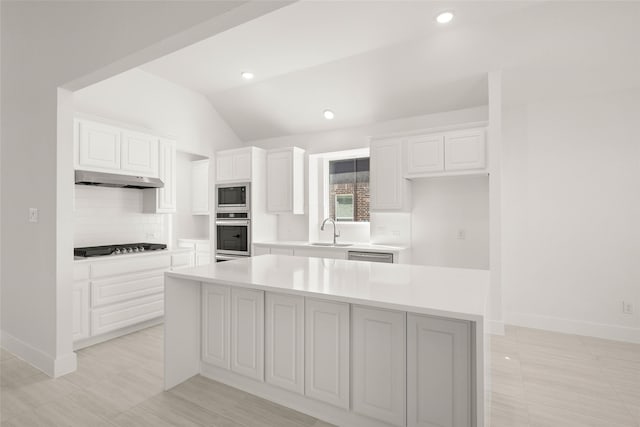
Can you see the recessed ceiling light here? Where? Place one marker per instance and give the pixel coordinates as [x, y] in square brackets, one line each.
[247, 75]
[444, 17]
[328, 114]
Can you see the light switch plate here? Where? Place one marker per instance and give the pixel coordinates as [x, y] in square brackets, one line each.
[33, 214]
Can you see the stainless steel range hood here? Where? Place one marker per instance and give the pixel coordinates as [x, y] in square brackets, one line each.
[102, 179]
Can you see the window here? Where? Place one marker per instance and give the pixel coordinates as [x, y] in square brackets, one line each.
[349, 189]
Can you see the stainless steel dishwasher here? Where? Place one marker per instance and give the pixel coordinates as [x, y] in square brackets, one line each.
[370, 256]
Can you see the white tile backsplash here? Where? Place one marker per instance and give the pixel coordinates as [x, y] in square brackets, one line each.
[104, 215]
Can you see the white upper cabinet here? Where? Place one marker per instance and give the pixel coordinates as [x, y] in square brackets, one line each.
[285, 181]
[234, 165]
[163, 200]
[465, 150]
[200, 187]
[389, 190]
[106, 148]
[425, 154]
[450, 153]
[139, 153]
[97, 145]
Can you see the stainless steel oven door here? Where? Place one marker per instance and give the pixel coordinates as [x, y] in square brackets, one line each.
[233, 237]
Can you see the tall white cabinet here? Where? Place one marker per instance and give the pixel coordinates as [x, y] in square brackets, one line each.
[389, 190]
[378, 360]
[200, 187]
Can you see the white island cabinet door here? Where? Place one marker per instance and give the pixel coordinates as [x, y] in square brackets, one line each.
[247, 332]
[378, 363]
[438, 372]
[284, 341]
[216, 308]
[327, 351]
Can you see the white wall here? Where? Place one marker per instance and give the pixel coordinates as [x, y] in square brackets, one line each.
[186, 225]
[571, 216]
[144, 100]
[45, 46]
[297, 227]
[103, 216]
[442, 208]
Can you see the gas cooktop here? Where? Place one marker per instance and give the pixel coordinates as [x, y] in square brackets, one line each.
[128, 248]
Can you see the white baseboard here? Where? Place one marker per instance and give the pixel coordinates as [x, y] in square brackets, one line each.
[577, 327]
[54, 367]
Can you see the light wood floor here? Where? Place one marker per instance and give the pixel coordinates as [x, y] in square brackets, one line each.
[539, 379]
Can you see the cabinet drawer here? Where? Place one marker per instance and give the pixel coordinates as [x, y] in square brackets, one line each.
[80, 272]
[130, 265]
[182, 260]
[120, 288]
[110, 318]
[203, 247]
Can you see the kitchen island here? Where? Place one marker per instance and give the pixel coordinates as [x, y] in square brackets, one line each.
[349, 342]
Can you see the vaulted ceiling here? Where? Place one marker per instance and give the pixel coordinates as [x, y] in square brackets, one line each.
[371, 61]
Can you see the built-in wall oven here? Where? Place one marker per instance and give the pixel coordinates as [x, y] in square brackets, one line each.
[233, 235]
[233, 197]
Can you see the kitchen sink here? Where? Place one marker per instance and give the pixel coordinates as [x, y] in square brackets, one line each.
[329, 244]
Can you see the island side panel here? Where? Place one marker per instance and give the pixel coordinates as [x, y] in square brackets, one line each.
[182, 323]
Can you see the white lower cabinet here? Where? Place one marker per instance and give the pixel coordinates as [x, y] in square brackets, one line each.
[438, 372]
[117, 316]
[284, 341]
[320, 253]
[80, 304]
[122, 288]
[216, 313]
[378, 363]
[327, 351]
[247, 332]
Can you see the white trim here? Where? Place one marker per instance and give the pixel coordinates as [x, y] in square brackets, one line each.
[577, 327]
[42, 361]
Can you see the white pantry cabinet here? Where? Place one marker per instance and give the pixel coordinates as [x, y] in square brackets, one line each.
[389, 190]
[216, 314]
[378, 363]
[285, 181]
[139, 153]
[234, 165]
[247, 332]
[284, 341]
[327, 351]
[438, 372]
[163, 200]
[200, 187]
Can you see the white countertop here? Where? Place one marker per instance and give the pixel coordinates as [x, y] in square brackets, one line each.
[352, 247]
[131, 255]
[448, 292]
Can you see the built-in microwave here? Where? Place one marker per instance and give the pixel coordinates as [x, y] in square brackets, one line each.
[233, 197]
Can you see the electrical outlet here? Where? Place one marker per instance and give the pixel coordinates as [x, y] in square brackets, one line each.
[462, 234]
[33, 214]
[627, 307]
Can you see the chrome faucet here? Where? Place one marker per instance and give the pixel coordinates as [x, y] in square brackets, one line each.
[336, 233]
